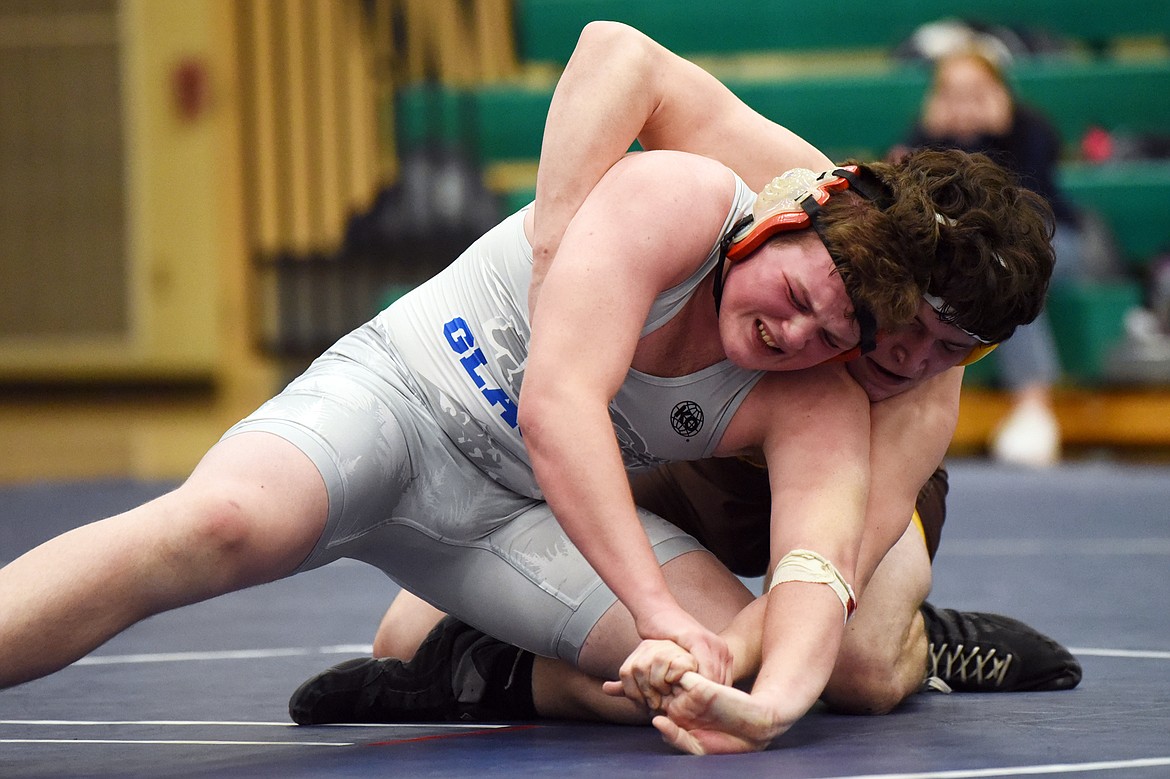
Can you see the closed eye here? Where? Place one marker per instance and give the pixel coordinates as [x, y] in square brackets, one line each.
[797, 303]
[804, 307]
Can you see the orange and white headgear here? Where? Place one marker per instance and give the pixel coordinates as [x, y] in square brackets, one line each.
[793, 201]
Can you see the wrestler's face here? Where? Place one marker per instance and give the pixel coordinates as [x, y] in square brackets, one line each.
[911, 354]
[784, 308]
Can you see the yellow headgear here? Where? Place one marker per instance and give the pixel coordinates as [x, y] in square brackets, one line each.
[978, 352]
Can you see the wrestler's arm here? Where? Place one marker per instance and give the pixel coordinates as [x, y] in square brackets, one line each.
[630, 240]
[619, 85]
[909, 436]
[817, 448]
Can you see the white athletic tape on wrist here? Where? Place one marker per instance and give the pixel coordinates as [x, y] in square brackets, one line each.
[801, 565]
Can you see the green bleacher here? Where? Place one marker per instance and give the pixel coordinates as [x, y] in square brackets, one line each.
[1133, 198]
[864, 115]
[546, 30]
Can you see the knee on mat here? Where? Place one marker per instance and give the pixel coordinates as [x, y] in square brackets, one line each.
[864, 686]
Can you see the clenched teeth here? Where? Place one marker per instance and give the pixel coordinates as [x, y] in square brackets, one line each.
[767, 339]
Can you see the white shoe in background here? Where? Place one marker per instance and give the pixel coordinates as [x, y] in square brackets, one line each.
[1029, 437]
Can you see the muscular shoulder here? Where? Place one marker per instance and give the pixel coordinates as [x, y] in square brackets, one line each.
[674, 176]
[656, 214]
[797, 403]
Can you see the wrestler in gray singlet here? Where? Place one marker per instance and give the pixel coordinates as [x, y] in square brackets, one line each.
[411, 421]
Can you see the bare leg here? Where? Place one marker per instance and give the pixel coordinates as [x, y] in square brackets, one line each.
[882, 659]
[250, 513]
[560, 691]
[557, 690]
[700, 583]
[405, 625]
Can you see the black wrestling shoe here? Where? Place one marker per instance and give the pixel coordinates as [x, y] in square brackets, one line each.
[977, 652]
[442, 683]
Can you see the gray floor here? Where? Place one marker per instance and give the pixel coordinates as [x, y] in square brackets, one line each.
[1082, 553]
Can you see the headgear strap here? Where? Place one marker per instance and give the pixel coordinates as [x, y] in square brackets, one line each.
[866, 322]
[946, 313]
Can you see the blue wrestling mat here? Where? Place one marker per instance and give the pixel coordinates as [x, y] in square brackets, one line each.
[1081, 552]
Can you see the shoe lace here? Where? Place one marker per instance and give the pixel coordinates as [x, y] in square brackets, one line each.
[968, 665]
[935, 684]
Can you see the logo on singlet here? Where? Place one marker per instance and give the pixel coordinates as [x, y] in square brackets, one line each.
[687, 418]
[471, 357]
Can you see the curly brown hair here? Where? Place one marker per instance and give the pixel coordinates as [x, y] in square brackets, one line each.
[956, 225]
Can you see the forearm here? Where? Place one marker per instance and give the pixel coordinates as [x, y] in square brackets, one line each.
[602, 100]
[744, 637]
[579, 470]
[798, 650]
[748, 632]
[802, 631]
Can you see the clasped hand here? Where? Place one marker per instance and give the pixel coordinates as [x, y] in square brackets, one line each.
[673, 642]
[651, 672]
[695, 714]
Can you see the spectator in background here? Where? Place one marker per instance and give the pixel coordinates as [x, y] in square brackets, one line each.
[970, 106]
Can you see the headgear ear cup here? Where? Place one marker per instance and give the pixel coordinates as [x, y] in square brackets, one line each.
[778, 207]
[978, 352]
